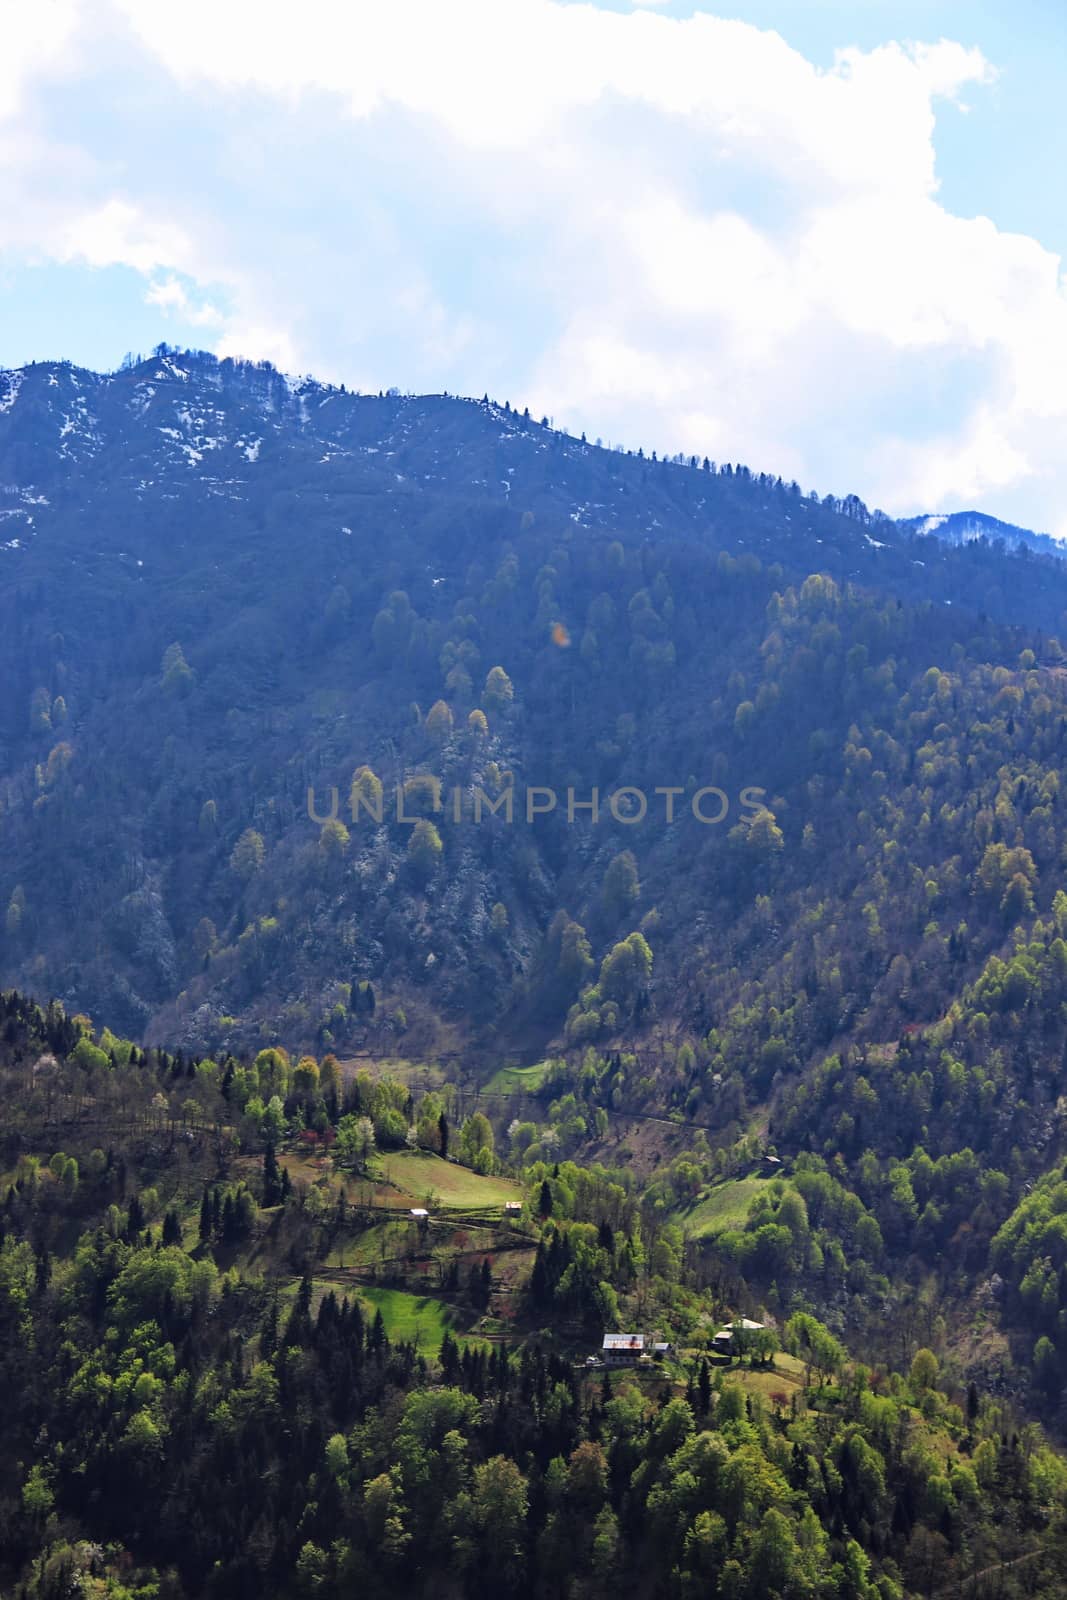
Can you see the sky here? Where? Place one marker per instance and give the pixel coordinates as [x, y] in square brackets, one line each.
[824, 239]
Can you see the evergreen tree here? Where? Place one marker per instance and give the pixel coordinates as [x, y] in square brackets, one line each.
[303, 1298]
[540, 1283]
[972, 1402]
[268, 1335]
[272, 1181]
[449, 1358]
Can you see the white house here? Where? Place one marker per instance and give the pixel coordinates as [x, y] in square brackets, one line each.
[723, 1341]
[622, 1349]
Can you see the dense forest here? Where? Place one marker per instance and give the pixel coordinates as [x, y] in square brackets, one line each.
[234, 1365]
[465, 891]
[227, 599]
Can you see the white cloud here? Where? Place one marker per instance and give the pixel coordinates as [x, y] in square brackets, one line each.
[120, 234]
[982, 460]
[674, 232]
[172, 299]
[261, 340]
[33, 40]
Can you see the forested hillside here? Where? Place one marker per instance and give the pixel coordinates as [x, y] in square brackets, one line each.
[236, 1363]
[409, 808]
[220, 588]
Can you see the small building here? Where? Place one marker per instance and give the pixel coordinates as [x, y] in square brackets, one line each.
[723, 1341]
[512, 1208]
[622, 1349]
[420, 1213]
[772, 1164]
[661, 1348]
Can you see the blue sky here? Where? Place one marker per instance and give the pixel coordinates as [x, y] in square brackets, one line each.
[821, 238]
[1005, 156]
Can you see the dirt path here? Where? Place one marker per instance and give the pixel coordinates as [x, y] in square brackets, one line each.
[961, 1585]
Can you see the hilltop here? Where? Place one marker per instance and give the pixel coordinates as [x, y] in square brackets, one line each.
[964, 527]
[221, 587]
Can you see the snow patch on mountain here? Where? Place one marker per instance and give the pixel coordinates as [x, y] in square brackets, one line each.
[12, 382]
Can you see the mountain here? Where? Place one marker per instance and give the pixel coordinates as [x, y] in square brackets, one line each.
[407, 808]
[963, 527]
[220, 587]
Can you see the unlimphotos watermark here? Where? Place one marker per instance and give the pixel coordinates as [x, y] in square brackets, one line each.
[627, 804]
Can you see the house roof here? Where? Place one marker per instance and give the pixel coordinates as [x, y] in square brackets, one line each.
[419, 1211]
[741, 1322]
[624, 1341]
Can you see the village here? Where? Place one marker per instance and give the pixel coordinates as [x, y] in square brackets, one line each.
[425, 1226]
[637, 1349]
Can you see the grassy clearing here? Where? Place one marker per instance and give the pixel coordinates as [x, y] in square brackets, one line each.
[427, 1073]
[303, 1166]
[518, 1080]
[369, 1247]
[774, 1381]
[411, 1317]
[374, 1188]
[725, 1206]
[418, 1172]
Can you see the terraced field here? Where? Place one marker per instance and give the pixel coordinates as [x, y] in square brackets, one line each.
[411, 1317]
[725, 1206]
[416, 1173]
[518, 1080]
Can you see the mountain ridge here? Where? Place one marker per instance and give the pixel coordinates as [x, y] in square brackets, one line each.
[962, 527]
[191, 647]
[64, 426]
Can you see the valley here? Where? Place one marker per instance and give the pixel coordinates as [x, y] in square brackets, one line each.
[337, 1141]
